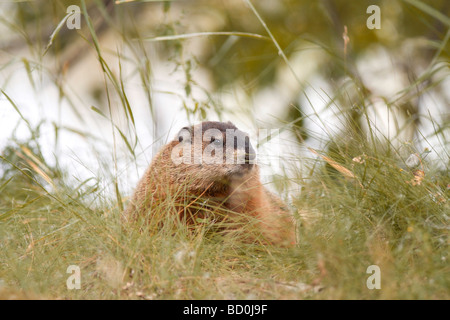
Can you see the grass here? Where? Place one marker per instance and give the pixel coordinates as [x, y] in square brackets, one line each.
[360, 205]
[344, 228]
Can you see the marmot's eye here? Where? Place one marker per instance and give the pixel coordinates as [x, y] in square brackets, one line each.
[180, 138]
[215, 140]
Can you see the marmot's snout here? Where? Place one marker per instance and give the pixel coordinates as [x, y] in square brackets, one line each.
[242, 143]
[250, 154]
[249, 159]
[244, 156]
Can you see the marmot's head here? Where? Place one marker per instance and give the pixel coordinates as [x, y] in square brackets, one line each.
[213, 152]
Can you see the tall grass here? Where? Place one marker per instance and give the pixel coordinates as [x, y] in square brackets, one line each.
[362, 203]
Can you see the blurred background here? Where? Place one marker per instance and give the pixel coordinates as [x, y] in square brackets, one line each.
[100, 100]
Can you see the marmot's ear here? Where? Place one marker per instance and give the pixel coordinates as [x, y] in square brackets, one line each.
[185, 134]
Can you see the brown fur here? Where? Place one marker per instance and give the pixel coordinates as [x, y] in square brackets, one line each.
[226, 192]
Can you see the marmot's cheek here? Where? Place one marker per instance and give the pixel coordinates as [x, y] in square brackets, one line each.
[239, 156]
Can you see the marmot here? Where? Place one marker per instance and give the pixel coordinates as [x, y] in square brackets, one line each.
[209, 171]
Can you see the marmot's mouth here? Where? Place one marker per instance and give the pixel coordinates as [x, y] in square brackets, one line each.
[240, 170]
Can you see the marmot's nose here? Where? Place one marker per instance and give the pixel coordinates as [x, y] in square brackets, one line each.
[243, 147]
[250, 153]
